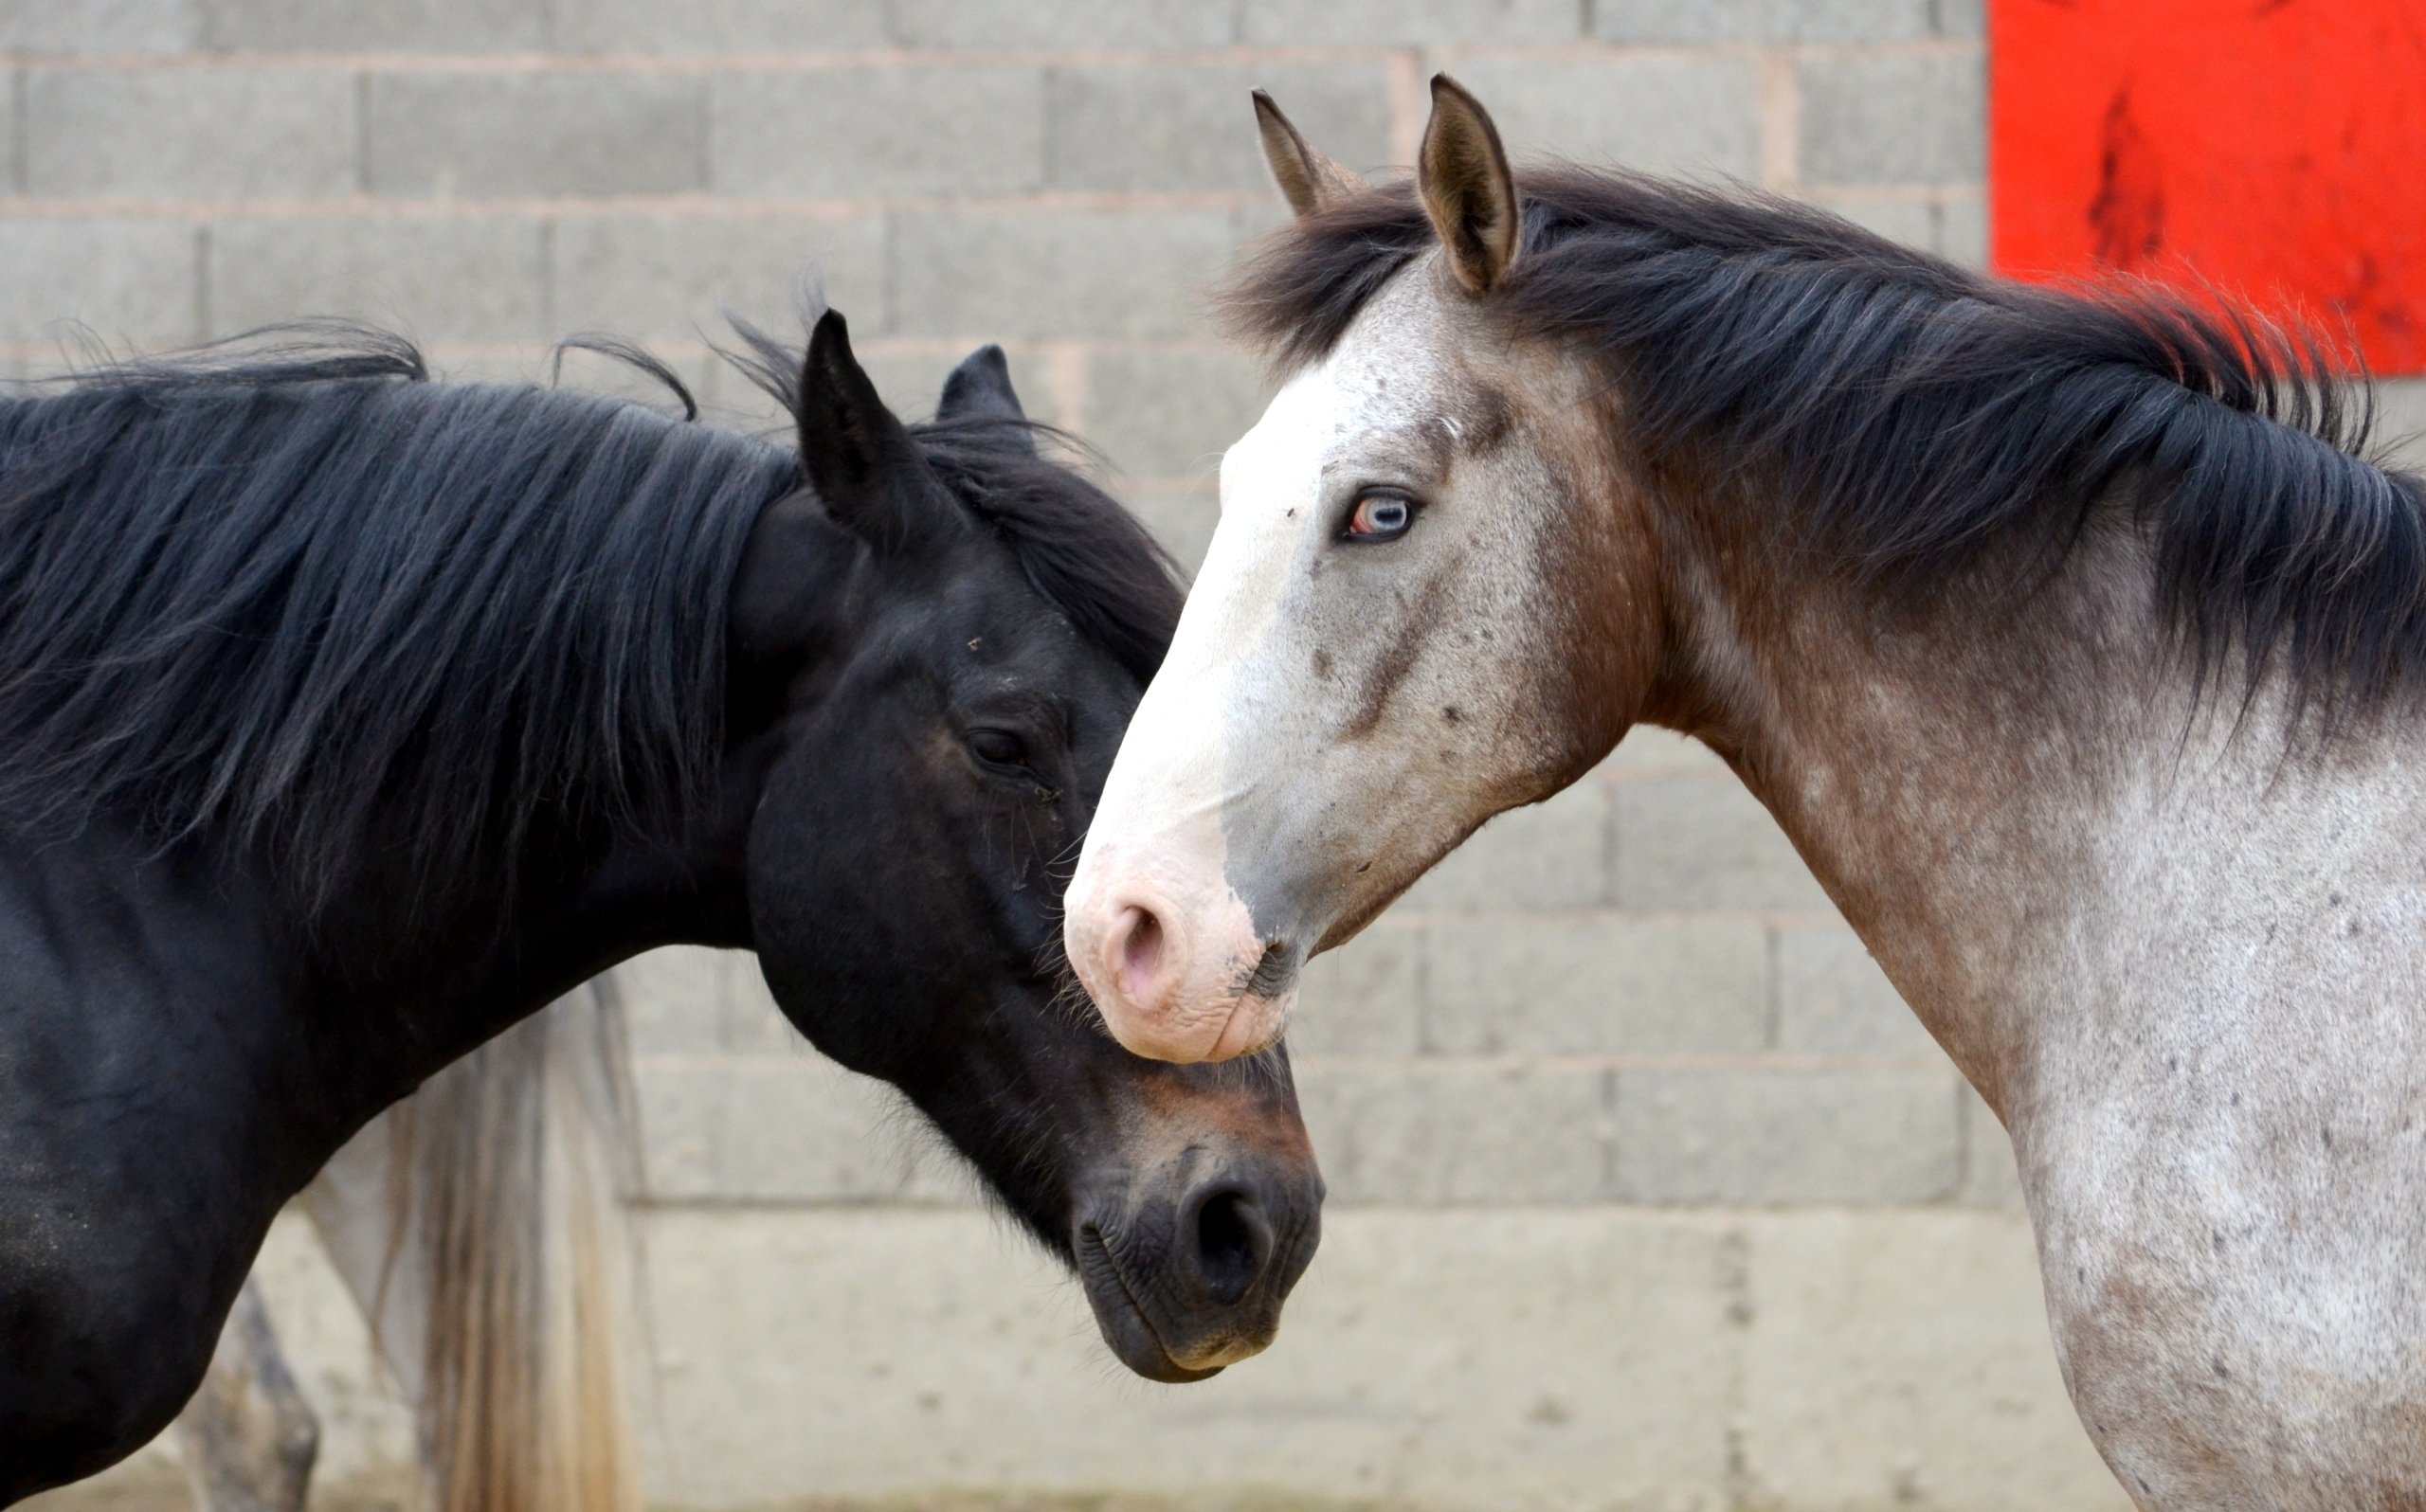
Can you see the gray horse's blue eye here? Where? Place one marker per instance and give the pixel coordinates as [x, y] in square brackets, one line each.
[1380, 518]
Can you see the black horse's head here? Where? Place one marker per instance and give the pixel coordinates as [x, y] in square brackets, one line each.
[938, 722]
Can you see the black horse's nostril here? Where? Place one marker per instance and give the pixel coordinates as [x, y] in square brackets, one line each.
[1232, 1245]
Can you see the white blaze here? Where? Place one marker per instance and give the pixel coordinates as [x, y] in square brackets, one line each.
[1157, 840]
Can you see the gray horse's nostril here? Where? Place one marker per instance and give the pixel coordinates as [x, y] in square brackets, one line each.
[1141, 952]
[1232, 1245]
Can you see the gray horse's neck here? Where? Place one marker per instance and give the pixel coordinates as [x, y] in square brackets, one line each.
[2180, 949]
[2019, 799]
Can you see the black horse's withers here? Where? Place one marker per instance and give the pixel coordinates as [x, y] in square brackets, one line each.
[345, 719]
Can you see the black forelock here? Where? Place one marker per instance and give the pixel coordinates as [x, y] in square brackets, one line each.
[1910, 415]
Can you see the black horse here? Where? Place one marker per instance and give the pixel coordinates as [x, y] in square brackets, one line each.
[347, 717]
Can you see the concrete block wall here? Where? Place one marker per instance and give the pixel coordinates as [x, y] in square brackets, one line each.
[1648, 1193]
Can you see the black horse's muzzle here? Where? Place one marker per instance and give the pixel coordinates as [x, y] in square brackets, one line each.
[1187, 1261]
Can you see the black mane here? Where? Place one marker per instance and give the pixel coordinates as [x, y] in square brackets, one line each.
[288, 590]
[1911, 415]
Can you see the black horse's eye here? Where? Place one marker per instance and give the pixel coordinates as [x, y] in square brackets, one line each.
[999, 747]
[1381, 516]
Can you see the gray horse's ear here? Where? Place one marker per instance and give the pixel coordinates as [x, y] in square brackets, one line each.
[1467, 189]
[1309, 181]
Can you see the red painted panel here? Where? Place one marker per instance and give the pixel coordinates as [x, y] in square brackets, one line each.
[2274, 149]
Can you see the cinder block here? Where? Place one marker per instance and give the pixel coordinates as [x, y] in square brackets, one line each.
[1550, 854]
[1902, 1359]
[206, 133]
[1595, 985]
[2400, 418]
[467, 278]
[1913, 221]
[12, 144]
[690, 1001]
[1669, 113]
[1564, 1358]
[1963, 228]
[1408, 24]
[535, 133]
[1649, 748]
[910, 375]
[422, 25]
[1170, 413]
[1181, 517]
[1699, 843]
[1692, 22]
[99, 27]
[764, 1130]
[452, 363]
[1430, 1133]
[1960, 18]
[1833, 1000]
[753, 1024]
[674, 275]
[1365, 998]
[1263, 213]
[1990, 1177]
[698, 28]
[839, 133]
[1177, 126]
[582, 371]
[129, 279]
[943, 25]
[1046, 273]
[733, 400]
[1763, 1136]
[673, 1002]
[1894, 118]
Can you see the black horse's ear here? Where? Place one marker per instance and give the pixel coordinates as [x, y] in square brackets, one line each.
[1467, 189]
[1309, 180]
[854, 451]
[980, 388]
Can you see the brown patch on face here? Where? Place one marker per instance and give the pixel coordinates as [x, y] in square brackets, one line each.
[1489, 421]
[1482, 420]
[1250, 1102]
[1322, 665]
[1600, 563]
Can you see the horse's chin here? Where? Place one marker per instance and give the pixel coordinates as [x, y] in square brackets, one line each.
[1126, 1329]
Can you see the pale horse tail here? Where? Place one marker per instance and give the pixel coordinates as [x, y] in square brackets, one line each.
[507, 1177]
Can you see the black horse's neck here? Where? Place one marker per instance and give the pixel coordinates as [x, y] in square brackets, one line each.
[581, 892]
